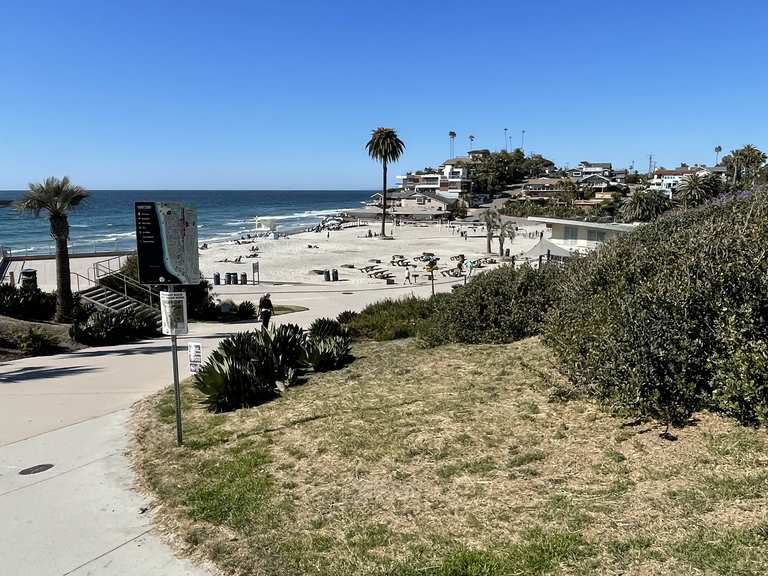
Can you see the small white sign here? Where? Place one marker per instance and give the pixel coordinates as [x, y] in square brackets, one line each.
[195, 353]
[173, 308]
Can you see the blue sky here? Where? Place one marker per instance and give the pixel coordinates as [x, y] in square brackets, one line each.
[252, 94]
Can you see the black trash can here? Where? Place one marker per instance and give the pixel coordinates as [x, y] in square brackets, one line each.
[234, 277]
[216, 279]
[243, 278]
[335, 275]
[327, 275]
[227, 278]
[506, 252]
[28, 278]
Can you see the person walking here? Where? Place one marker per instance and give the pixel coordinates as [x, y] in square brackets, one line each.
[265, 310]
[407, 276]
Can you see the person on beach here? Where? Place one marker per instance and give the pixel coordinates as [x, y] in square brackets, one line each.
[265, 310]
[407, 276]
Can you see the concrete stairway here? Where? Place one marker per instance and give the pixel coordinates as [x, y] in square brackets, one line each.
[105, 298]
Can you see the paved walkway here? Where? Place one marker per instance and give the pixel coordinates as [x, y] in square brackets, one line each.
[71, 410]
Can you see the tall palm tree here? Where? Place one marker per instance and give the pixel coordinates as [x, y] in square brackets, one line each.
[471, 141]
[491, 219]
[718, 149]
[452, 137]
[692, 191]
[57, 198]
[385, 146]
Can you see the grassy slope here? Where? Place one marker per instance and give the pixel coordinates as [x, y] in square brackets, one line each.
[11, 329]
[454, 461]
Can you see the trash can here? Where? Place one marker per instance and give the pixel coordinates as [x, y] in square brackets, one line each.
[243, 278]
[335, 275]
[327, 275]
[216, 279]
[234, 277]
[227, 278]
[506, 252]
[29, 278]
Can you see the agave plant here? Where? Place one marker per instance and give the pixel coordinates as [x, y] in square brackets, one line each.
[240, 373]
[325, 327]
[329, 353]
[289, 347]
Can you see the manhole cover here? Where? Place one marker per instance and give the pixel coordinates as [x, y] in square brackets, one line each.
[36, 469]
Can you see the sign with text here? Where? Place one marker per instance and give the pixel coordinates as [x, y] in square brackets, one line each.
[195, 353]
[173, 309]
[166, 243]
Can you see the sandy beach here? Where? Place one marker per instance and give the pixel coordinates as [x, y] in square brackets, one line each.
[296, 257]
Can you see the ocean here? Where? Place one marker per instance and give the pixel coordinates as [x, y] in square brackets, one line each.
[105, 221]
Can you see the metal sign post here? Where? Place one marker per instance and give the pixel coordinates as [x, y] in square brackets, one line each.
[255, 278]
[173, 306]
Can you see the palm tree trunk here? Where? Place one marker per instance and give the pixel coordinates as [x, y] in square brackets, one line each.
[488, 238]
[60, 232]
[384, 199]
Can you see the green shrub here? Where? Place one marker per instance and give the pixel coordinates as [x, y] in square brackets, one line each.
[37, 343]
[289, 346]
[498, 306]
[346, 317]
[329, 352]
[104, 327]
[240, 373]
[246, 310]
[27, 303]
[326, 327]
[391, 319]
[672, 317]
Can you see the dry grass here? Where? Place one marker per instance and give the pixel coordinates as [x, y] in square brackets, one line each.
[453, 461]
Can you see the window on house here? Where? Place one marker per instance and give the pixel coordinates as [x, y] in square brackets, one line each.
[595, 235]
[571, 233]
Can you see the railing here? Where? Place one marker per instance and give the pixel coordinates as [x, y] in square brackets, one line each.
[130, 287]
[81, 281]
[86, 282]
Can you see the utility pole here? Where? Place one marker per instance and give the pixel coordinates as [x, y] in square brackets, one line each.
[650, 164]
[522, 143]
[506, 140]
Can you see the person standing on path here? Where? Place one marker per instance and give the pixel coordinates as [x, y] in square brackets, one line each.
[407, 276]
[265, 310]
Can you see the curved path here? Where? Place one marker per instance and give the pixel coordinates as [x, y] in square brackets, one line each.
[81, 516]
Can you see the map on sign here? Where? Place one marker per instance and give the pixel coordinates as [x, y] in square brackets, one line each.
[166, 242]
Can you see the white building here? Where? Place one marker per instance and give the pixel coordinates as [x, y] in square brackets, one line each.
[578, 235]
[667, 181]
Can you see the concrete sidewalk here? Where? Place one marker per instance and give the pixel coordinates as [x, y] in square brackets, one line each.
[71, 410]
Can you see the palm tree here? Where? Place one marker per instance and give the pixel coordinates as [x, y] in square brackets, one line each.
[385, 146]
[693, 190]
[491, 219]
[452, 137]
[644, 206]
[718, 149]
[57, 198]
[506, 230]
[471, 140]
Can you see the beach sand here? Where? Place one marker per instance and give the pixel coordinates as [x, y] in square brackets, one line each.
[290, 259]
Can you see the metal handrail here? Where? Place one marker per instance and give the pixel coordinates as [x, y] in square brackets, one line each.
[99, 273]
[108, 289]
